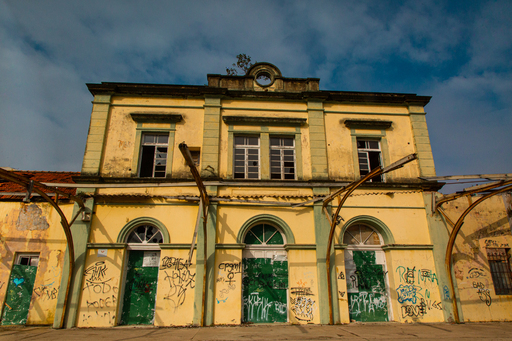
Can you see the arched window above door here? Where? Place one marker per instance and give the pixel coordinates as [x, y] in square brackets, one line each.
[263, 234]
[145, 234]
[361, 234]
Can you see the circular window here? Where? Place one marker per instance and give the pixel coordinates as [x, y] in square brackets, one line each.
[264, 78]
[145, 234]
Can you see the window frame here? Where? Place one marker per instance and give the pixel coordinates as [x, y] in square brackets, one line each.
[156, 145]
[245, 148]
[503, 276]
[28, 255]
[282, 148]
[368, 150]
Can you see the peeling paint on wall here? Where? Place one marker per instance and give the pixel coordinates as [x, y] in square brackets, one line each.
[31, 218]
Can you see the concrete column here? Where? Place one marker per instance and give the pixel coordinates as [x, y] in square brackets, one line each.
[322, 229]
[80, 232]
[211, 136]
[319, 165]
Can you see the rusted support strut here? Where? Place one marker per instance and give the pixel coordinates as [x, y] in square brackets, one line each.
[334, 221]
[37, 187]
[204, 204]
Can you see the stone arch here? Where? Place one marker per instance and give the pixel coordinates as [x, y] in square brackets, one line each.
[125, 231]
[377, 224]
[266, 218]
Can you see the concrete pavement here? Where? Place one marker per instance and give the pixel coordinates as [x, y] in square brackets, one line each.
[354, 331]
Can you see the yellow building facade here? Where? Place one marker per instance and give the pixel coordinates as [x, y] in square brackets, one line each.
[269, 149]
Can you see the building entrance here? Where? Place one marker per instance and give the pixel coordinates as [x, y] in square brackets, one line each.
[265, 276]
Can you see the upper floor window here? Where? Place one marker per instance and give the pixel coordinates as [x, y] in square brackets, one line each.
[369, 155]
[247, 157]
[31, 259]
[282, 158]
[499, 264]
[153, 159]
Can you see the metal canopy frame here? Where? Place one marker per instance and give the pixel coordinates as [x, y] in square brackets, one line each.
[495, 188]
[334, 221]
[39, 188]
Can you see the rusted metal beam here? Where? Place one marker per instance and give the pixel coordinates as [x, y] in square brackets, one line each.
[451, 243]
[34, 186]
[466, 177]
[480, 189]
[23, 181]
[204, 204]
[349, 189]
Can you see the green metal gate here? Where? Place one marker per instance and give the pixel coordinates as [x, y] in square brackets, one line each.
[264, 290]
[367, 298]
[140, 288]
[19, 294]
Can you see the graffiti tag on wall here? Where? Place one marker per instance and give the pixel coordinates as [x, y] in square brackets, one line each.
[226, 278]
[302, 304]
[100, 294]
[180, 279]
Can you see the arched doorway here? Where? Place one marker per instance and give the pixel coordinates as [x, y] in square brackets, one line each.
[365, 266]
[141, 274]
[265, 275]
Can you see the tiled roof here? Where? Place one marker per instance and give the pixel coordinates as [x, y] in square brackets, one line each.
[55, 177]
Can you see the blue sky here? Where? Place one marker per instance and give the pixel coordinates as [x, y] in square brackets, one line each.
[458, 52]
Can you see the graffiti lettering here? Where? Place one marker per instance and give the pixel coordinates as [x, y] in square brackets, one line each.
[407, 293]
[367, 302]
[46, 292]
[476, 273]
[102, 303]
[341, 275]
[303, 308]
[491, 243]
[231, 269]
[446, 293]
[301, 291]
[180, 279]
[417, 310]
[96, 272]
[408, 275]
[258, 307]
[485, 296]
[174, 263]
[342, 293]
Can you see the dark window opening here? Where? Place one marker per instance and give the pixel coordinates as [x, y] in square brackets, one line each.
[153, 160]
[499, 265]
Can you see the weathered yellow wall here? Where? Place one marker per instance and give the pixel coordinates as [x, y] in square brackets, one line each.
[227, 306]
[231, 219]
[121, 132]
[34, 228]
[340, 148]
[175, 289]
[109, 220]
[100, 289]
[487, 226]
[303, 287]
[414, 286]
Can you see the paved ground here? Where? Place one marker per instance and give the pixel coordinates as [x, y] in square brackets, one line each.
[355, 331]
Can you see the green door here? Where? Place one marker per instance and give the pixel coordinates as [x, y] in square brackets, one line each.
[19, 293]
[366, 288]
[264, 290]
[140, 287]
